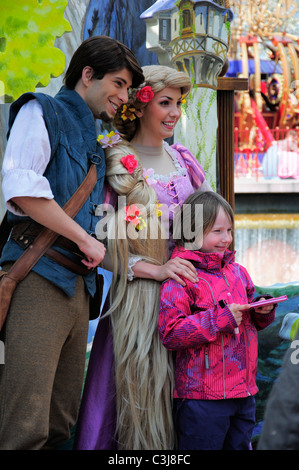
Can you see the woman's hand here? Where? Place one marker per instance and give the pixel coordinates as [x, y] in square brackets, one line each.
[174, 268]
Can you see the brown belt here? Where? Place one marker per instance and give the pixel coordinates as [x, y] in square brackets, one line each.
[25, 232]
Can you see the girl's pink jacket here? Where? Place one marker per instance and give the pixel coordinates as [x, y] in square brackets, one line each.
[212, 361]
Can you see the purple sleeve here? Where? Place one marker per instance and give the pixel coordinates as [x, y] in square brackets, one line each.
[262, 320]
[195, 170]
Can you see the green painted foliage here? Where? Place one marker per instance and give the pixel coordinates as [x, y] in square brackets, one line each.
[28, 58]
[197, 129]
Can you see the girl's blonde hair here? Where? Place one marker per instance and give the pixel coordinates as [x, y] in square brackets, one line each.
[157, 77]
[143, 367]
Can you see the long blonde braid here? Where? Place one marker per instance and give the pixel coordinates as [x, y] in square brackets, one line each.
[143, 367]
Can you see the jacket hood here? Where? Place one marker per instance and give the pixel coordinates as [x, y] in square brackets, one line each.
[204, 260]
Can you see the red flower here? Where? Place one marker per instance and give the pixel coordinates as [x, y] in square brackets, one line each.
[129, 162]
[132, 213]
[145, 94]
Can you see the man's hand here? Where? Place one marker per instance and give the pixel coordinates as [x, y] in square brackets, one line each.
[94, 252]
[48, 213]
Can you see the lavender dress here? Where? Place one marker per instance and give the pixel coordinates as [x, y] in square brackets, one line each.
[97, 418]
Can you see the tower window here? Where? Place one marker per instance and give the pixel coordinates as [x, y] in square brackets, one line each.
[164, 29]
[186, 19]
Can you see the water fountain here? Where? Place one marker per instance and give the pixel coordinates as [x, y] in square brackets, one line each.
[268, 246]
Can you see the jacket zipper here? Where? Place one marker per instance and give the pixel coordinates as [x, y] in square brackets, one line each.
[223, 356]
[245, 334]
[247, 359]
[207, 364]
[226, 281]
[223, 368]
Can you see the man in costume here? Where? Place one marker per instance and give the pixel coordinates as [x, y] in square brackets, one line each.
[52, 143]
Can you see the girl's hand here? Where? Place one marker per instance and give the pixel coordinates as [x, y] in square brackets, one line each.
[174, 268]
[265, 309]
[237, 311]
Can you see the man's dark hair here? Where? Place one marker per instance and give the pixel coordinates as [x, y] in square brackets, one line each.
[104, 55]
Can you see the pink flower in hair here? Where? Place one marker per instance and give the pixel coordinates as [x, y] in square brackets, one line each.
[132, 214]
[129, 162]
[145, 95]
[109, 140]
[147, 176]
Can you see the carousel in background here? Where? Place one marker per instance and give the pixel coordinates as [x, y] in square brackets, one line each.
[265, 49]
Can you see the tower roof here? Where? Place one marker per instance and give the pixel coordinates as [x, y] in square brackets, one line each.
[165, 5]
[160, 5]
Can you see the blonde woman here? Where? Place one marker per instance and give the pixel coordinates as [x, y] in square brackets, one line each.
[154, 179]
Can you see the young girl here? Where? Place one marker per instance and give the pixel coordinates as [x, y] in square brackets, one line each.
[214, 331]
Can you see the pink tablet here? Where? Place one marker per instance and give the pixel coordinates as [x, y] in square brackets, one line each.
[274, 300]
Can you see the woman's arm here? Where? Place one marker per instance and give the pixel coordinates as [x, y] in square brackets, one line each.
[175, 268]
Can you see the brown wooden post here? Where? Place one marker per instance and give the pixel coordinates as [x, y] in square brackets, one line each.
[226, 88]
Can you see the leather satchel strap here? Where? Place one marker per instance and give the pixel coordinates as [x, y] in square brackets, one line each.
[47, 237]
[76, 202]
[67, 262]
